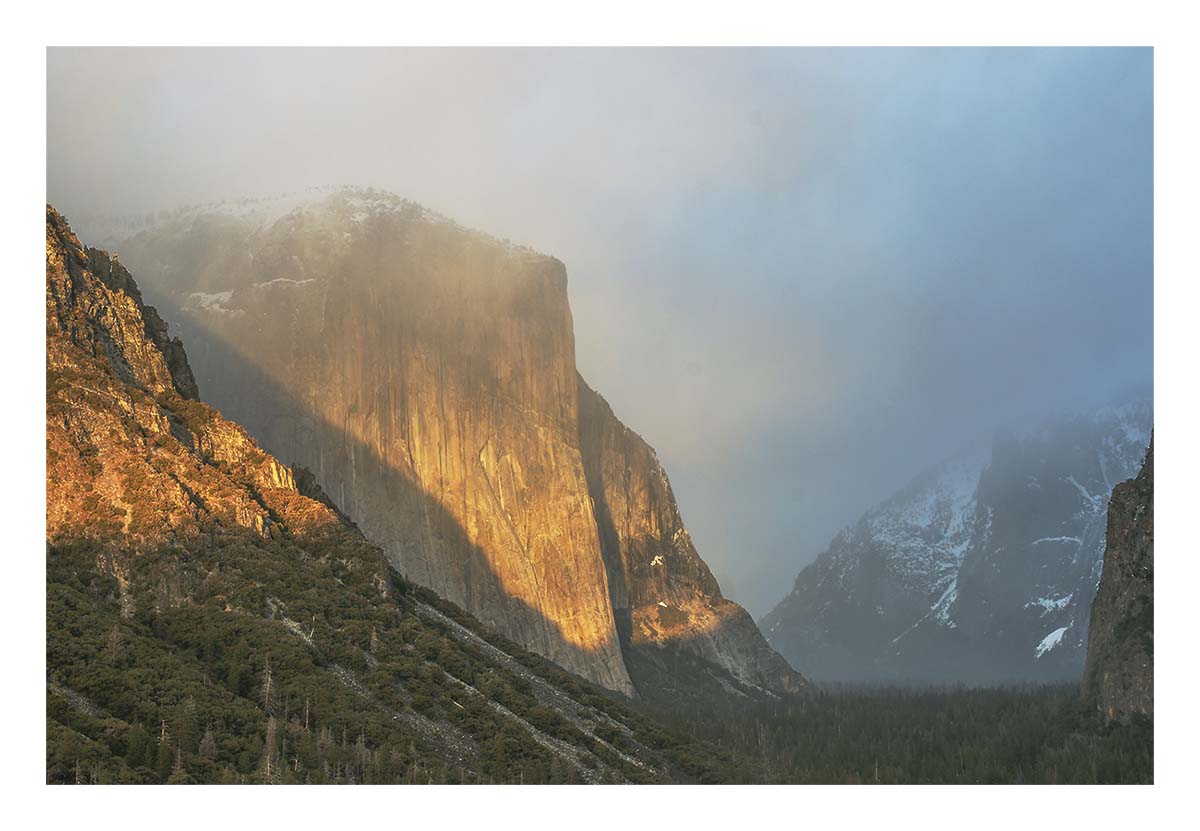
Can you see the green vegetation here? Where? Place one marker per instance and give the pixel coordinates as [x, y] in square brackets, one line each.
[249, 661]
[196, 415]
[856, 734]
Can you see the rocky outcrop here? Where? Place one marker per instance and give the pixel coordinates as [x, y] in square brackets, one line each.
[980, 570]
[1120, 661]
[663, 594]
[130, 454]
[93, 304]
[426, 374]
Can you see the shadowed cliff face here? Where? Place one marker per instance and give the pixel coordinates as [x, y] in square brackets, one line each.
[1120, 659]
[425, 373]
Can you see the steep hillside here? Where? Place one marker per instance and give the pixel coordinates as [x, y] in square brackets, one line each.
[426, 374]
[982, 569]
[1120, 661]
[212, 617]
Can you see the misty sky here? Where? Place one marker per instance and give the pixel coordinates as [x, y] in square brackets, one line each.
[802, 275]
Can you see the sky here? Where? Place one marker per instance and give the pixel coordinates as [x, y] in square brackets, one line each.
[803, 275]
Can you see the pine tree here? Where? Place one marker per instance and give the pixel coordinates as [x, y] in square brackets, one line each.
[208, 744]
[166, 760]
[114, 647]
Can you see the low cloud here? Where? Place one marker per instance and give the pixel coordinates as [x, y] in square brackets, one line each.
[802, 275]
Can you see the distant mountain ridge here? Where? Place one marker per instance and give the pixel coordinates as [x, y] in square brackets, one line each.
[980, 570]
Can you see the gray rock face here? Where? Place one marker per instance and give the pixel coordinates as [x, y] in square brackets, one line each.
[980, 570]
[894, 570]
[1120, 659]
[426, 375]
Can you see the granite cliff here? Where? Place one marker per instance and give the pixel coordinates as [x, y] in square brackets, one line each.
[1119, 677]
[213, 617]
[426, 374]
[663, 594]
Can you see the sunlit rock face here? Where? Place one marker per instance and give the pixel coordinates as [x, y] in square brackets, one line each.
[982, 569]
[92, 304]
[1120, 661]
[425, 373]
[133, 461]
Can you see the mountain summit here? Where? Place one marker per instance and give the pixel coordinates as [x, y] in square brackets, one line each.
[982, 569]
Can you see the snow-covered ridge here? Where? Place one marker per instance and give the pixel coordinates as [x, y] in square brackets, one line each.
[978, 551]
[926, 528]
[351, 207]
[262, 210]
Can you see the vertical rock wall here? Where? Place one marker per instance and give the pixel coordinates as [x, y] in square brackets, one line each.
[1120, 662]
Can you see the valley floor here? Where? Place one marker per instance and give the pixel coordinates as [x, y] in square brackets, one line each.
[908, 735]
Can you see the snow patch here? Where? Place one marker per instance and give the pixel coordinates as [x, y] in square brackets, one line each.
[1085, 493]
[1050, 641]
[285, 281]
[1051, 604]
[941, 609]
[213, 302]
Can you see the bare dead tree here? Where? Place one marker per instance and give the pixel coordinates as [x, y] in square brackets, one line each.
[267, 685]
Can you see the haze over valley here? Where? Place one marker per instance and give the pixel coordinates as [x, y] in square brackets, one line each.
[599, 416]
[804, 276]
